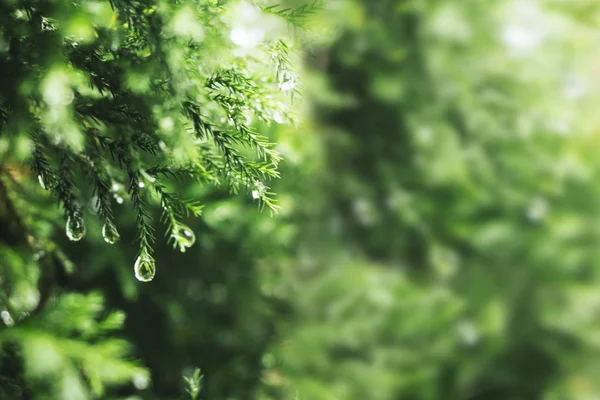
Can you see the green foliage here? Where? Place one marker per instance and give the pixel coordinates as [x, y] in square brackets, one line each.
[436, 232]
[161, 106]
[130, 95]
[298, 16]
[193, 384]
[447, 246]
[72, 357]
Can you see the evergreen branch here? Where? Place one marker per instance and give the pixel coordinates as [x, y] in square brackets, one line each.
[102, 188]
[8, 199]
[237, 169]
[265, 197]
[233, 80]
[181, 206]
[120, 119]
[235, 113]
[134, 15]
[41, 165]
[65, 187]
[223, 140]
[193, 384]
[195, 172]
[117, 148]
[14, 201]
[212, 161]
[145, 230]
[145, 143]
[296, 16]
[284, 70]
[174, 208]
[174, 205]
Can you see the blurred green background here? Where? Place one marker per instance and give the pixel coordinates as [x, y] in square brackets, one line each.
[439, 232]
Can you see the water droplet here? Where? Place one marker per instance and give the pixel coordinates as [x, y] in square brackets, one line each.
[110, 234]
[144, 268]
[94, 205]
[287, 81]
[7, 318]
[141, 381]
[538, 209]
[38, 255]
[75, 227]
[184, 237]
[115, 187]
[47, 24]
[575, 87]
[246, 37]
[468, 332]
[141, 184]
[248, 117]
[259, 189]
[279, 117]
[148, 177]
[46, 185]
[167, 124]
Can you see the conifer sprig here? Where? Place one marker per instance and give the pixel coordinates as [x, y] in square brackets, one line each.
[41, 165]
[120, 102]
[239, 171]
[298, 16]
[144, 227]
[193, 384]
[65, 187]
[102, 191]
[279, 54]
[228, 88]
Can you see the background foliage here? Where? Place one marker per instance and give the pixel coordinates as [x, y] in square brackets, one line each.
[436, 235]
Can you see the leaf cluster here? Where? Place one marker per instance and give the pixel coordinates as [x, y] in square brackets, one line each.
[114, 97]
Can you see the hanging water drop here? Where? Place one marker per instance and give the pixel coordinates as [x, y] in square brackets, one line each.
[184, 237]
[75, 227]
[110, 234]
[38, 255]
[46, 184]
[47, 24]
[279, 117]
[141, 381]
[7, 318]
[144, 268]
[93, 205]
[41, 181]
[287, 81]
[148, 177]
[259, 190]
